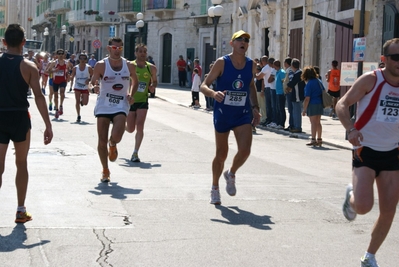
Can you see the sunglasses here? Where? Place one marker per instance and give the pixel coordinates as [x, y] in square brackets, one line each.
[394, 57]
[240, 39]
[60, 54]
[114, 47]
[83, 58]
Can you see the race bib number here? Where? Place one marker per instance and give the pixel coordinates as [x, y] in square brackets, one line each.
[237, 99]
[388, 111]
[59, 73]
[112, 100]
[142, 86]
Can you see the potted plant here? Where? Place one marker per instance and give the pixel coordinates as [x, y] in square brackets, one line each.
[99, 18]
[30, 19]
[111, 13]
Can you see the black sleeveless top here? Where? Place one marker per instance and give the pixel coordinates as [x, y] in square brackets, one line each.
[13, 88]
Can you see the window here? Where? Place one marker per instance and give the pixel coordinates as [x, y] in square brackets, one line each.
[347, 4]
[297, 14]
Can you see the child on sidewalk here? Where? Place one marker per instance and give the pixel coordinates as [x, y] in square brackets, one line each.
[195, 89]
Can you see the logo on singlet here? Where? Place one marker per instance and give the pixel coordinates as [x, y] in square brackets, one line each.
[117, 86]
[238, 84]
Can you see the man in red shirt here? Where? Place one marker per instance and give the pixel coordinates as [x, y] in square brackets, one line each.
[181, 67]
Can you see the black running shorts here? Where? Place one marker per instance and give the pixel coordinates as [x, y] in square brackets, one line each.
[14, 125]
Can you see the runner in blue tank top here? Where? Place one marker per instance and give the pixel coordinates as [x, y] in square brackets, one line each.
[236, 108]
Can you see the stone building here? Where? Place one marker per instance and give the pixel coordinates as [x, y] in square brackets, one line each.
[278, 28]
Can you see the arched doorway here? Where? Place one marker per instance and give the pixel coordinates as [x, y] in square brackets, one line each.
[166, 58]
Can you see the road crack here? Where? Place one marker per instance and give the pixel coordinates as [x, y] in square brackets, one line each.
[106, 248]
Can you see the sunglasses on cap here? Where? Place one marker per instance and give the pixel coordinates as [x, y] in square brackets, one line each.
[394, 57]
[114, 47]
[240, 39]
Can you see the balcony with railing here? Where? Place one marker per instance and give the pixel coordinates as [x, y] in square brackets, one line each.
[76, 17]
[161, 7]
[103, 18]
[130, 8]
[60, 6]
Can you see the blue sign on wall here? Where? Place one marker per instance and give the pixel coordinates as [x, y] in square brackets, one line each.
[112, 30]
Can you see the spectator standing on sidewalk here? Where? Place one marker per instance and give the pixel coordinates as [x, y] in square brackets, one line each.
[236, 109]
[16, 76]
[287, 91]
[113, 73]
[181, 68]
[280, 96]
[260, 93]
[374, 137]
[147, 76]
[189, 71]
[333, 77]
[265, 74]
[297, 88]
[313, 104]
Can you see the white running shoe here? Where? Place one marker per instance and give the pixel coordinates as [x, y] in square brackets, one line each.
[215, 197]
[231, 183]
[348, 211]
[368, 262]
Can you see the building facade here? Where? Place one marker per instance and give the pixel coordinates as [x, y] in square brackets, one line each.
[278, 28]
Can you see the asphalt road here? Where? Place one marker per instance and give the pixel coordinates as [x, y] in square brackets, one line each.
[287, 211]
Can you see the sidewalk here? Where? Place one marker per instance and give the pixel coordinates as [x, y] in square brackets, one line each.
[333, 131]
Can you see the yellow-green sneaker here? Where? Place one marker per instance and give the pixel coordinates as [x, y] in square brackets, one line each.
[23, 217]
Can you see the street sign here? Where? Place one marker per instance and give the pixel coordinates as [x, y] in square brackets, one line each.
[112, 31]
[359, 49]
[349, 71]
[96, 44]
[71, 39]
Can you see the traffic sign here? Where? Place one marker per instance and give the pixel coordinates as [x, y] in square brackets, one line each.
[359, 49]
[96, 44]
[71, 39]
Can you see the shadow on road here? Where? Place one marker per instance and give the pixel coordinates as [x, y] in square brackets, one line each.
[237, 216]
[142, 165]
[16, 240]
[114, 190]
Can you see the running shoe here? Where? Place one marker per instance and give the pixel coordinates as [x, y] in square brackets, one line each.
[215, 197]
[57, 114]
[50, 106]
[61, 110]
[348, 211]
[78, 119]
[231, 183]
[105, 177]
[112, 152]
[23, 217]
[135, 158]
[368, 262]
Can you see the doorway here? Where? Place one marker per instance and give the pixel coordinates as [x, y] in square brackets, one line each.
[166, 58]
